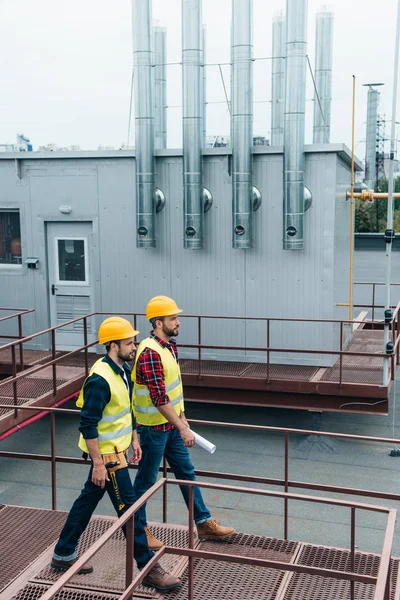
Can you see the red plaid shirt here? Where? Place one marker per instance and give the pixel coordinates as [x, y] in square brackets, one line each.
[150, 372]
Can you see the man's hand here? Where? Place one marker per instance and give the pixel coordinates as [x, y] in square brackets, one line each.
[99, 475]
[184, 420]
[137, 452]
[188, 436]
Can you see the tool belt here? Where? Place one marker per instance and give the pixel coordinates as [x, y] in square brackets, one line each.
[115, 457]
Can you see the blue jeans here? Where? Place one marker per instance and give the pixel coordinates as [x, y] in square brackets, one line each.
[154, 445]
[83, 508]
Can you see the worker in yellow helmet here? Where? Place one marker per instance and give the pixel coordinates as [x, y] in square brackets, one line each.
[107, 430]
[160, 415]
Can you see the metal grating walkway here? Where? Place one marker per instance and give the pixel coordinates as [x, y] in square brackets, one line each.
[25, 574]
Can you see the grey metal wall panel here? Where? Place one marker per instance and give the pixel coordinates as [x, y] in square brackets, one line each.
[17, 283]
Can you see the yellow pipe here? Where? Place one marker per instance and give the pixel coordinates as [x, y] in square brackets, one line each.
[352, 204]
[371, 195]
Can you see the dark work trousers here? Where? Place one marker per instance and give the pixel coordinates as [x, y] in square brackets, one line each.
[84, 507]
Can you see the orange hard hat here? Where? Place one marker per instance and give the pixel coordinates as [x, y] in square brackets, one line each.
[114, 329]
[161, 306]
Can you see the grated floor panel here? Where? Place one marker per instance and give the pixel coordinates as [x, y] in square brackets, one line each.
[25, 534]
[109, 575]
[34, 591]
[323, 588]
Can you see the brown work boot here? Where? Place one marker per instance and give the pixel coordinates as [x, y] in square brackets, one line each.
[160, 579]
[64, 565]
[153, 542]
[212, 530]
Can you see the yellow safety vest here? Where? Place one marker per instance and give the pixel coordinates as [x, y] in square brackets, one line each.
[115, 427]
[145, 411]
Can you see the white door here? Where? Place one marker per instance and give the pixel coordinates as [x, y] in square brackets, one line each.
[70, 281]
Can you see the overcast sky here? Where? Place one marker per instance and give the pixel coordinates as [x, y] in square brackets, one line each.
[66, 67]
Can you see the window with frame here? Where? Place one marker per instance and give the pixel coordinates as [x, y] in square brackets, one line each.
[10, 237]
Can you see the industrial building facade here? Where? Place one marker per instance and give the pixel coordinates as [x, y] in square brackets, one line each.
[78, 254]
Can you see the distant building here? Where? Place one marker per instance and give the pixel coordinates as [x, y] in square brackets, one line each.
[222, 141]
[23, 145]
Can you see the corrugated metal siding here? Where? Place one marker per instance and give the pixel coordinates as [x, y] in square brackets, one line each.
[263, 281]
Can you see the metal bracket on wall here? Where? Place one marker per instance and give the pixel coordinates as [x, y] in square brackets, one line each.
[18, 168]
[257, 198]
[159, 199]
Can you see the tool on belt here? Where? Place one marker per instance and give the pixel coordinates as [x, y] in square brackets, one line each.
[112, 463]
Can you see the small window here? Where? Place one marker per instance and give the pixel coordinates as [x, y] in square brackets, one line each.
[10, 238]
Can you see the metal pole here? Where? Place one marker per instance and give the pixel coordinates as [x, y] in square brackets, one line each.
[286, 483]
[53, 357]
[160, 86]
[85, 341]
[323, 77]
[278, 78]
[165, 475]
[21, 346]
[15, 383]
[352, 549]
[53, 460]
[191, 545]
[129, 552]
[192, 125]
[389, 234]
[351, 240]
[294, 124]
[143, 61]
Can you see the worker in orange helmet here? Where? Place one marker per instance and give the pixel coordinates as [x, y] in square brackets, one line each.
[107, 430]
[160, 414]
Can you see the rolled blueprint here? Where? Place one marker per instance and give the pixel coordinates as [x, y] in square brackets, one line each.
[203, 443]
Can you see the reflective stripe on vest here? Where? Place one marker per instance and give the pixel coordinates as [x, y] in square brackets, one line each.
[154, 409]
[115, 427]
[145, 411]
[168, 388]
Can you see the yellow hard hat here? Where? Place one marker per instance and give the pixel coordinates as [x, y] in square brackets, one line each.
[161, 306]
[114, 329]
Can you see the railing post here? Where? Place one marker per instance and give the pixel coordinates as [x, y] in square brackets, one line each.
[53, 357]
[191, 544]
[199, 342]
[85, 342]
[21, 346]
[397, 337]
[388, 580]
[53, 461]
[373, 305]
[352, 549]
[165, 475]
[341, 355]
[286, 525]
[15, 384]
[268, 346]
[129, 552]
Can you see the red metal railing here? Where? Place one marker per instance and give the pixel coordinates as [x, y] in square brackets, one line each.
[267, 350]
[286, 483]
[381, 580]
[17, 314]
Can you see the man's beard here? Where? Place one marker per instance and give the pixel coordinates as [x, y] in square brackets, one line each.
[170, 332]
[128, 356]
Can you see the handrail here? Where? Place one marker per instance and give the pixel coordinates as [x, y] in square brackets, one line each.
[395, 356]
[380, 580]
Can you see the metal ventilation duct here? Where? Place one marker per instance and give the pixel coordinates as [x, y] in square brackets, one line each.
[323, 77]
[370, 144]
[242, 124]
[204, 85]
[294, 117]
[278, 79]
[160, 86]
[144, 123]
[192, 124]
